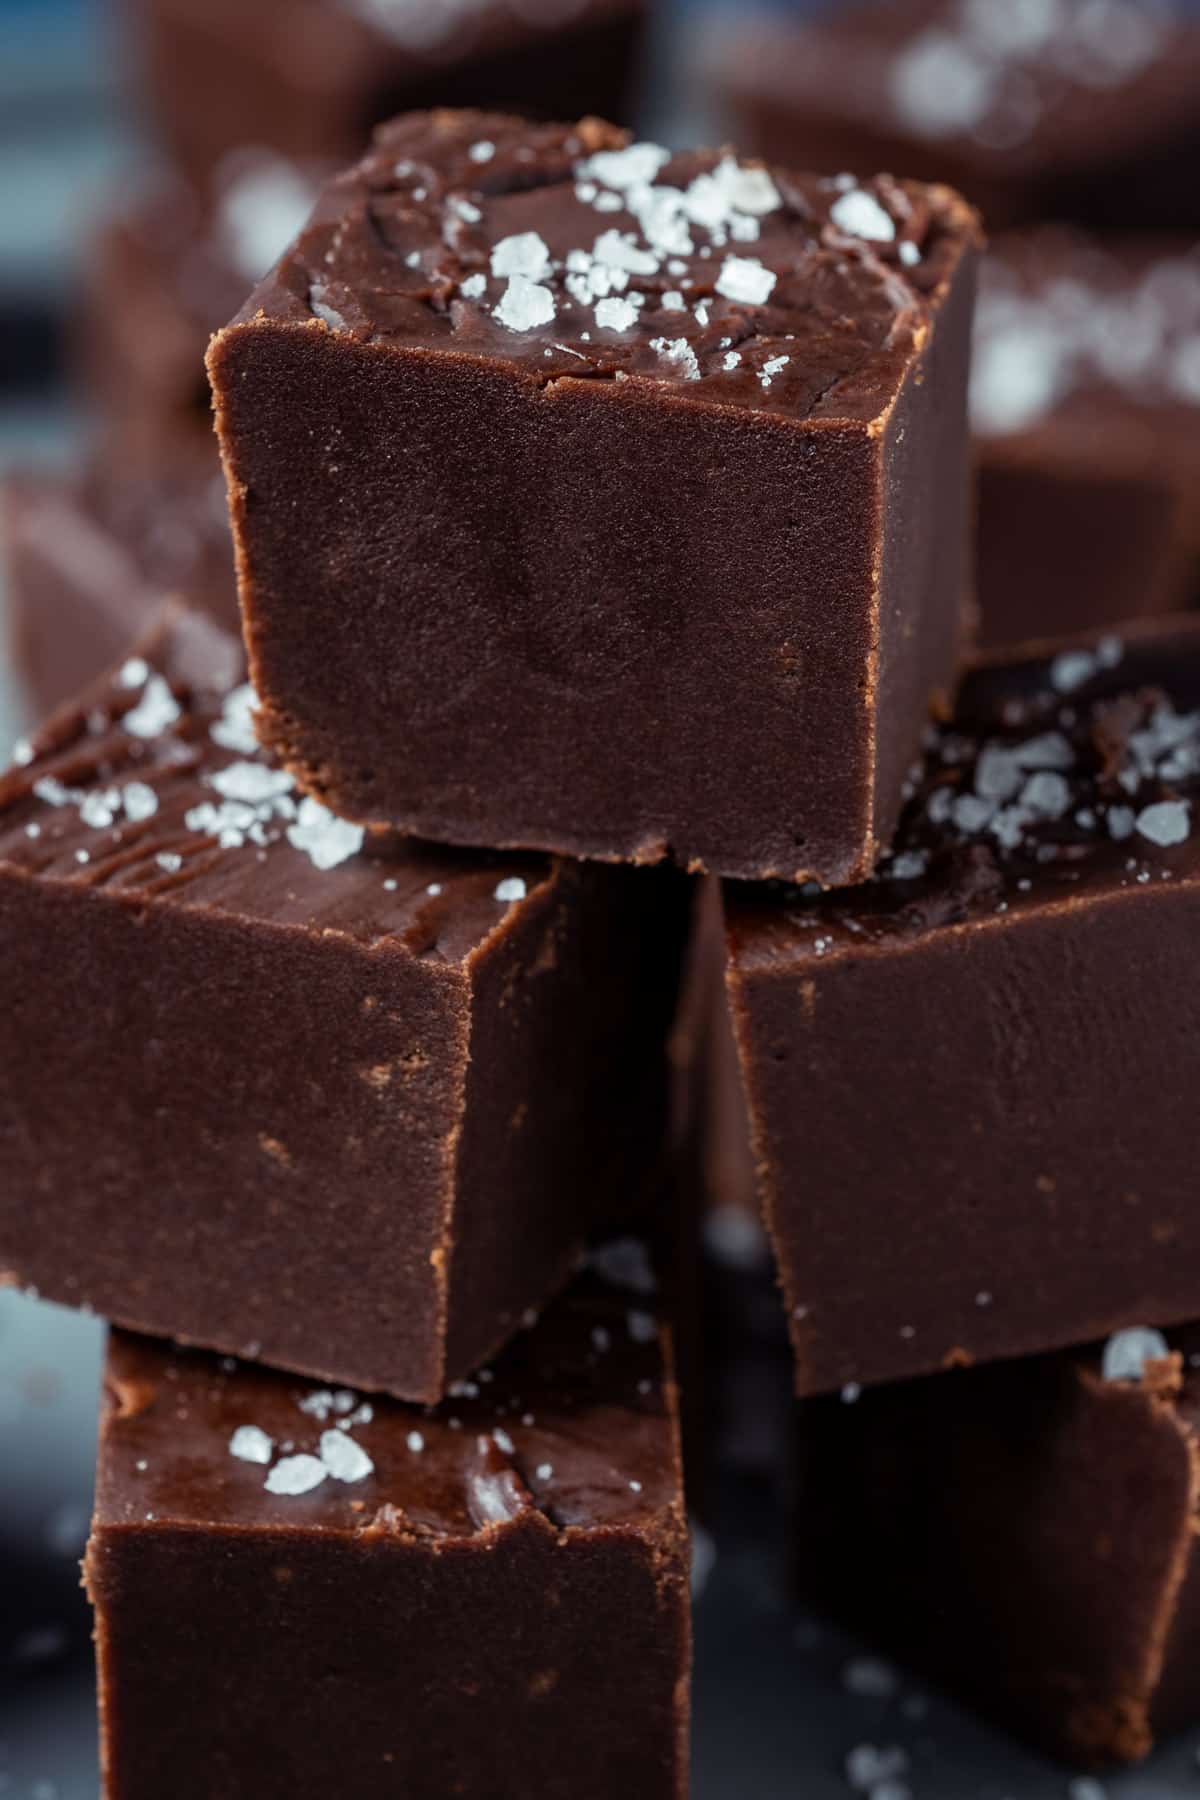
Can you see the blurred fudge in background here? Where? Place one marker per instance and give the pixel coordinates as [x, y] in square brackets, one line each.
[1035, 109]
[90, 555]
[1026, 1533]
[164, 271]
[311, 78]
[1085, 404]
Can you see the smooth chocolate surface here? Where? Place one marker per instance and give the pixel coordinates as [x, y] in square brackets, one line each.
[312, 77]
[269, 1085]
[632, 489]
[162, 273]
[1026, 1533]
[1068, 111]
[1085, 403]
[300, 1593]
[969, 1079]
[90, 557]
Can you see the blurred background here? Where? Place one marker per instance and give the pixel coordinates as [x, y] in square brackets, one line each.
[136, 210]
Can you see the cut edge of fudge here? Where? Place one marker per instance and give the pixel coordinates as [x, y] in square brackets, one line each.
[206, 839]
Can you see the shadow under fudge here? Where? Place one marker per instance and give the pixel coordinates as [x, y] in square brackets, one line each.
[1070, 112]
[350, 1104]
[1026, 1533]
[299, 1593]
[598, 499]
[970, 1080]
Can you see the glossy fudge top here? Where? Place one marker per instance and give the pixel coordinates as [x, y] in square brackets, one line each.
[574, 1422]
[152, 786]
[570, 252]
[1014, 85]
[1058, 780]
[1065, 321]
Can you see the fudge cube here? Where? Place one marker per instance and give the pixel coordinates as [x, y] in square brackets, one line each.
[349, 1104]
[596, 499]
[312, 77]
[299, 1593]
[1085, 405]
[970, 1081]
[90, 556]
[1064, 111]
[1025, 1533]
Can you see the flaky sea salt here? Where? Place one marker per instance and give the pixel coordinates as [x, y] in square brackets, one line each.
[616, 314]
[1165, 823]
[1127, 1352]
[860, 214]
[234, 730]
[474, 287]
[251, 1444]
[156, 709]
[296, 1475]
[679, 352]
[867, 1765]
[415, 1442]
[745, 279]
[345, 1460]
[140, 802]
[526, 253]
[511, 888]
[524, 305]
[325, 839]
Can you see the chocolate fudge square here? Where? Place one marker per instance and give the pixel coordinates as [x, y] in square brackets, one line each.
[311, 78]
[1085, 405]
[970, 1080]
[598, 499]
[89, 557]
[349, 1104]
[299, 1593]
[1026, 1533]
[162, 273]
[1067, 111]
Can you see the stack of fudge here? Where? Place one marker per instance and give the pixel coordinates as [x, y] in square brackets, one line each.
[599, 816]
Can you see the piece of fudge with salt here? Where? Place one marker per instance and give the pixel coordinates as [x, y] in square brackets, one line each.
[598, 499]
[970, 1081]
[271, 1085]
[1026, 1534]
[302, 1593]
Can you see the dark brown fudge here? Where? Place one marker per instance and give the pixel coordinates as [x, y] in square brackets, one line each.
[1085, 403]
[162, 274]
[971, 1079]
[348, 1104]
[1027, 1533]
[596, 499]
[1059, 109]
[89, 558]
[301, 1594]
[312, 77]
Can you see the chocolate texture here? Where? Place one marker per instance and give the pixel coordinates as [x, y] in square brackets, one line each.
[90, 557]
[633, 492]
[1026, 1533]
[350, 1104]
[1085, 405]
[301, 1593]
[969, 1079]
[310, 78]
[1070, 111]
